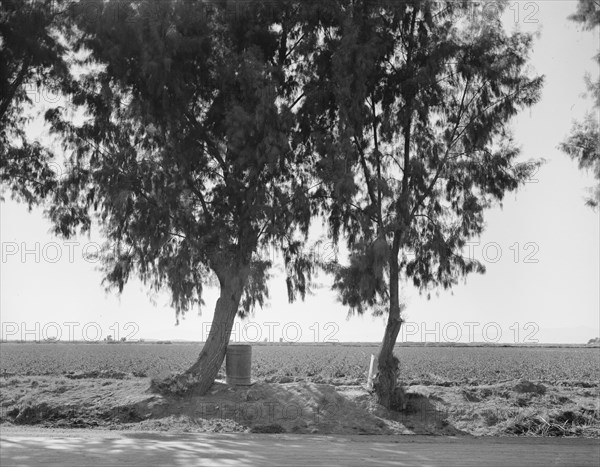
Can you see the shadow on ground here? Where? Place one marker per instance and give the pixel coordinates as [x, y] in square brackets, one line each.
[97, 448]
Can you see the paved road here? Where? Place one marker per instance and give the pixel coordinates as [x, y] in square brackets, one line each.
[111, 448]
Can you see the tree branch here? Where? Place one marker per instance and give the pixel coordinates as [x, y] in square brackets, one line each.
[429, 189]
[200, 196]
[12, 89]
[377, 158]
[366, 171]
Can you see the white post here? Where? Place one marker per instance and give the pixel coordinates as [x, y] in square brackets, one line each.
[370, 377]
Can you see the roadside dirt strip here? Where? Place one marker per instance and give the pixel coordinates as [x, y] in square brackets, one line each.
[97, 448]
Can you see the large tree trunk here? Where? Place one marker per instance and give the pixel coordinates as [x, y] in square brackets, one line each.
[211, 357]
[385, 383]
[202, 374]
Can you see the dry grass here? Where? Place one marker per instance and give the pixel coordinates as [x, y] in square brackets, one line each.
[566, 423]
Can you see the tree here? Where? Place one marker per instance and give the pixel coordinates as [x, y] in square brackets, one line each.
[588, 13]
[408, 109]
[583, 144]
[32, 56]
[188, 154]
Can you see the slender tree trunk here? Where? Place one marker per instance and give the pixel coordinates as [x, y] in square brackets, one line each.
[385, 384]
[386, 391]
[199, 378]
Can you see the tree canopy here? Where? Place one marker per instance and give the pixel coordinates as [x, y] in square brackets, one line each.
[583, 144]
[410, 115]
[187, 152]
[32, 58]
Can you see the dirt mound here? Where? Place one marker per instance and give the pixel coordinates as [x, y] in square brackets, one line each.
[301, 407]
[509, 408]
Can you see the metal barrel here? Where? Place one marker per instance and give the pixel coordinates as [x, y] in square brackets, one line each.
[238, 363]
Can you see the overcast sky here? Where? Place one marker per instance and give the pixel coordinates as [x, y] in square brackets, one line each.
[541, 249]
